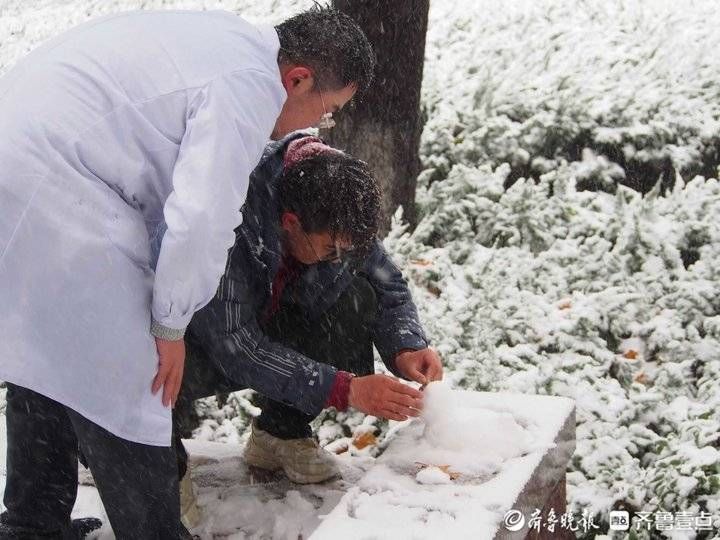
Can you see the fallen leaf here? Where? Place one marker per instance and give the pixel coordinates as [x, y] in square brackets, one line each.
[363, 440]
[631, 354]
[434, 290]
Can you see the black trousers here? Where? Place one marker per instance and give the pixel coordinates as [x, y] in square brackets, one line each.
[341, 337]
[138, 483]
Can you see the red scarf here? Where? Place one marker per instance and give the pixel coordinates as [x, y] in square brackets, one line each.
[288, 272]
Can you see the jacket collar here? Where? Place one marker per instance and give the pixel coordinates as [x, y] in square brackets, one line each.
[261, 213]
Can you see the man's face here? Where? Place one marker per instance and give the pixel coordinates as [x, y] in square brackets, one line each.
[303, 107]
[311, 248]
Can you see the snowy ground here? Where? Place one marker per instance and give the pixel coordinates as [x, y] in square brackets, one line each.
[233, 504]
[457, 471]
[609, 298]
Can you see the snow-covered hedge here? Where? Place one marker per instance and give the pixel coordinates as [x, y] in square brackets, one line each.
[610, 300]
[613, 300]
[627, 89]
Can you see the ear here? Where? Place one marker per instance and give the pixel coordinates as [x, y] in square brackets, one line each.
[289, 221]
[297, 79]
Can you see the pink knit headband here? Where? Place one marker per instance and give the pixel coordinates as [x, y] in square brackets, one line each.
[304, 148]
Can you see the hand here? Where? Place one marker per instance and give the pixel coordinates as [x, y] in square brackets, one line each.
[421, 366]
[385, 397]
[170, 370]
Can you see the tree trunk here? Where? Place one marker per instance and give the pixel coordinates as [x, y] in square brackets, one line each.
[384, 127]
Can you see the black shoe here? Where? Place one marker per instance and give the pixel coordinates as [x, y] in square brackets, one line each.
[16, 532]
[77, 530]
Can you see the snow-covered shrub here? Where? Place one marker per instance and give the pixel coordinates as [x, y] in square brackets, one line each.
[624, 91]
[546, 289]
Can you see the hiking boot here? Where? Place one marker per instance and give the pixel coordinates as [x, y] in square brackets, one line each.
[189, 511]
[302, 460]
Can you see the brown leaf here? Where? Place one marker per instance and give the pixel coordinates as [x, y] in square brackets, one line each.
[420, 262]
[434, 290]
[565, 304]
[363, 440]
[640, 377]
[631, 354]
[446, 470]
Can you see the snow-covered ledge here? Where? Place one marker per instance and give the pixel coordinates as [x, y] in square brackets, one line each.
[459, 471]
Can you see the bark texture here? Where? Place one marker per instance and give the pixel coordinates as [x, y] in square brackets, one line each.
[383, 128]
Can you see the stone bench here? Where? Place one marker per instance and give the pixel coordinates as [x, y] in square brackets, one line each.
[388, 501]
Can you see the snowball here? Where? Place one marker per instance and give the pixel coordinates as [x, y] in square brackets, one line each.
[453, 426]
[433, 475]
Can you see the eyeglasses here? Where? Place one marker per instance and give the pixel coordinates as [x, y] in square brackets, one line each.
[326, 120]
[335, 256]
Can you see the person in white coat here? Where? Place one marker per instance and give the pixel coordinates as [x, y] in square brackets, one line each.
[105, 132]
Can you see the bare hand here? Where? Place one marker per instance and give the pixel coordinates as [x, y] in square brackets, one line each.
[386, 397]
[170, 369]
[421, 366]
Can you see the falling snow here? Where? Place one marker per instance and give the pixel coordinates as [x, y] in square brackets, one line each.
[607, 297]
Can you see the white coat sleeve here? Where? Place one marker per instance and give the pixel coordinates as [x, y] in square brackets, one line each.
[229, 122]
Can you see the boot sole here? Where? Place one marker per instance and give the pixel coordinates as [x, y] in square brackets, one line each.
[264, 469]
[300, 478]
[264, 476]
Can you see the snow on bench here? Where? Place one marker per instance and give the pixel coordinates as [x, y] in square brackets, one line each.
[456, 474]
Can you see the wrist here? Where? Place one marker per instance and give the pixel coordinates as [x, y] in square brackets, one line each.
[399, 368]
[340, 391]
[166, 333]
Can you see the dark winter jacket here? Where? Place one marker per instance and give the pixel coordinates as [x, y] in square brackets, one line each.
[229, 328]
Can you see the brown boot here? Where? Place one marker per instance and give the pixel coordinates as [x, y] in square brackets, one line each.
[189, 511]
[302, 460]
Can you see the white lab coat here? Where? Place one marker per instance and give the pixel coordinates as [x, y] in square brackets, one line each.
[104, 132]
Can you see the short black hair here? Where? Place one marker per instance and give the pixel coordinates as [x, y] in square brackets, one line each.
[336, 193]
[330, 43]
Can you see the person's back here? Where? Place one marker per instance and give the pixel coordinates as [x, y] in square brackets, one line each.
[93, 129]
[125, 82]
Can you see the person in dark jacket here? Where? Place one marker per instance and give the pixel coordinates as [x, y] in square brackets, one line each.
[308, 290]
